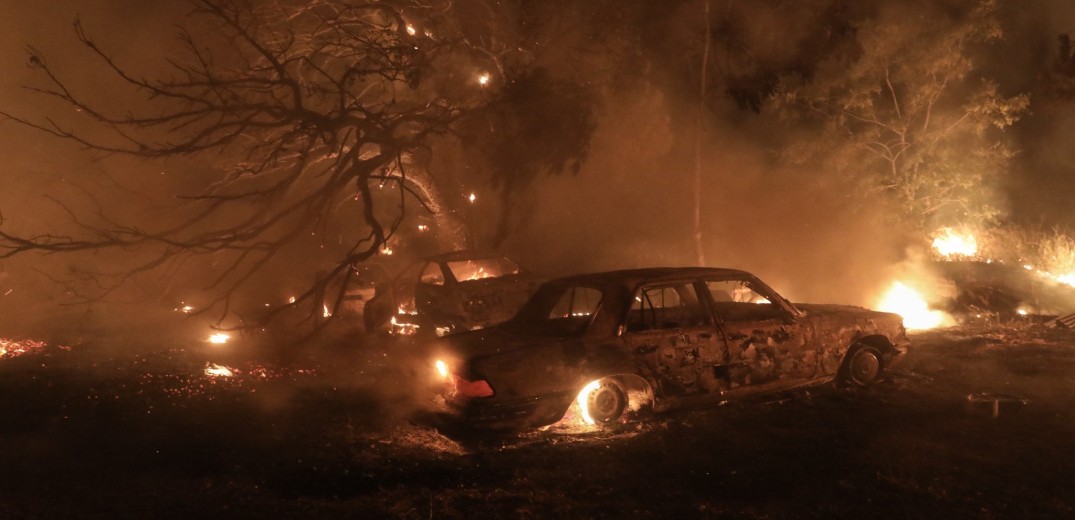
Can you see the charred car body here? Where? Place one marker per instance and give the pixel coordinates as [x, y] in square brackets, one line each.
[452, 292]
[656, 338]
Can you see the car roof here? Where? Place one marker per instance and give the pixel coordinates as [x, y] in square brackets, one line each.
[633, 277]
[465, 254]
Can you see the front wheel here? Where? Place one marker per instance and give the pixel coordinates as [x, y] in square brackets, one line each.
[863, 366]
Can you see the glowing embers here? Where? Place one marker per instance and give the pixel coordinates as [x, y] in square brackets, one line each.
[951, 244]
[12, 348]
[401, 327]
[908, 303]
[215, 370]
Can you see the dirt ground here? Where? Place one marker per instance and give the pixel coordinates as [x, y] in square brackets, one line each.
[91, 431]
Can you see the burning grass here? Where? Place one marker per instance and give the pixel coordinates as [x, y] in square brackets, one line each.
[10, 348]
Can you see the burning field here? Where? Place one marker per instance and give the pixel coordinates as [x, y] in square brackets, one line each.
[175, 433]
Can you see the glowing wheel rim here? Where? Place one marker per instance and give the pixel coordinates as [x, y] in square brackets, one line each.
[604, 402]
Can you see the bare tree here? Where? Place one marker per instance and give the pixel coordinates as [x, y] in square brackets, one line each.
[311, 106]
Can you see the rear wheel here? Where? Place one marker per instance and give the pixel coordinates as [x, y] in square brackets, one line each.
[606, 403]
[863, 366]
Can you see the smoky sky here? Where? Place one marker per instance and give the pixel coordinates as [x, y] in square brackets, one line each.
[630, 205]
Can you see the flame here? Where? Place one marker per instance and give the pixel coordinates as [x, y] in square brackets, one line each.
[423, 227]
[402, 328]
[410, 30]
[219, 338]
[472, 197]
[385, 250]
[905, 301]
[214, 370]
[483, 79]
[442, 369]
[185, 309]
[15, 348]
[949, 243]
[583, 399]
[1066, 279]
[325, 313]
[291, 300]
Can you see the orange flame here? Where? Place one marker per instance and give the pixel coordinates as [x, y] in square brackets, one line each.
[905, 301]
[949, 243]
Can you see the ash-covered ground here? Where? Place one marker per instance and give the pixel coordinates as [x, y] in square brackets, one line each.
[92, 431]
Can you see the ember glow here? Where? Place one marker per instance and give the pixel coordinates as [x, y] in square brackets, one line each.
[483, 79]
[402, 328]
[950, 244]
[214, 370]
[11, 348]
[905, 301]
[584, 398]
[219, 338]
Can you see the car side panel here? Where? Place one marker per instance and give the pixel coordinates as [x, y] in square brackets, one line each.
[766, 351]
[680, 360]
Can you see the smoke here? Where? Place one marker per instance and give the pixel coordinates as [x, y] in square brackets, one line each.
[631, 205]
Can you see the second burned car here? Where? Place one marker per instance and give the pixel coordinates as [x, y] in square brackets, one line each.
[657, 338]
[449, 293]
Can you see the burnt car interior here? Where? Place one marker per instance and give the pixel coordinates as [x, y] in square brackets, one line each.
[482, 268]
[666, 307]
[738, 300]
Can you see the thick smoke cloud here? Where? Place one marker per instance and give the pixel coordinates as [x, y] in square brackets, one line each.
[629, 206]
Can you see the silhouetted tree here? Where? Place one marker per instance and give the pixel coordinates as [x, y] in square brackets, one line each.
[311, 108]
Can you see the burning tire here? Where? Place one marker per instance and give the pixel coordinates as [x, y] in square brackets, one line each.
[607, 402]
[863, 366]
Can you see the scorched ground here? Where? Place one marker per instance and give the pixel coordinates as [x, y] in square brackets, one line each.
[89, 432]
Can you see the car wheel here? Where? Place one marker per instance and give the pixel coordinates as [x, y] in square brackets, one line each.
[607, 402]
[863, 366]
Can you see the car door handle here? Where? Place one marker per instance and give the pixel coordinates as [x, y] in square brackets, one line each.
[645, 349]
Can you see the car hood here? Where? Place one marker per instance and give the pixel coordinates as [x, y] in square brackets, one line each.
[825, 309]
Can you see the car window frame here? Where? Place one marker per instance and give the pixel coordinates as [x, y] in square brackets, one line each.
[702, 302]
[787, 310]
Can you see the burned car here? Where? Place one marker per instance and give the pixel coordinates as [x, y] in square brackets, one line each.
[655, 339]
[452, 292]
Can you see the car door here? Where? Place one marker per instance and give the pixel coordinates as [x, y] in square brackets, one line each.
[673, 338]
[768, 347]
[433, 296]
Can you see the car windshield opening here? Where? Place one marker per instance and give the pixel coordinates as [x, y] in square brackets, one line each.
[482, 268]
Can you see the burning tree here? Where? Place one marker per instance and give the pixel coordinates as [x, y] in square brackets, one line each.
[908, 115]
[314, 106]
